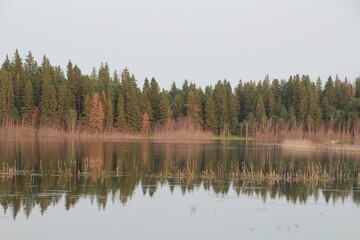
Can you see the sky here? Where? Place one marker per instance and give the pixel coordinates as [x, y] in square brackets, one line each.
[200, 40]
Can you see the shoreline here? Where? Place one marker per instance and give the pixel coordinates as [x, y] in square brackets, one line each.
[23, 132]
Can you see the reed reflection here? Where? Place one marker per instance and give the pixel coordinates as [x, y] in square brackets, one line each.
[40, 173]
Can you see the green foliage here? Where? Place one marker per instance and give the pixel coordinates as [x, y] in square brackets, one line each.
[6, 94]
[121, 122]
[154, 99]
[209, 111]
[26, 87]
[66, 101]
[132, 96]
[48, 104]
[260, 113]
[164, 107]
[27, 108]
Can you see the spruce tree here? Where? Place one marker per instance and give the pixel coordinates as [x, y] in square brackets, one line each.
[146, 105]
[154, 98]
[121, 122]
[164, 107]
[48, 104]
[221, 107]
[193, 109]
[27, 108]
[6, 95]
[260, 110]
[65, 102]
[210, 111]
[132, 96]
[18, 80]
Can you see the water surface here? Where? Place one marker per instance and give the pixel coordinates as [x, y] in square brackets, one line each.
[68, 189]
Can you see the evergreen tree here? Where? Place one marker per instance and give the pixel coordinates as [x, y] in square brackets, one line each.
[164, 108]
[18, 82]
[357, 87]
[176, 102]
[193, 109]
[104, 77]
[121, 122]
[6, 95]
[27, 108]
[108, 109]
[260, 113]
[221, 108]
[154, 98]
[268, 97]
[132, 95]
[48, 104]
[96, 114]
[301, 103]
[210, 115]
[329, 91]
[75, 81]
[65, 102]
[145, 126]
[146, 105]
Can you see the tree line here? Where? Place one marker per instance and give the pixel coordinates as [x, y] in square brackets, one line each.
[44, 95]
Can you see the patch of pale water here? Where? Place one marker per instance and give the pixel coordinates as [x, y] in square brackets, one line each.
[198, 215]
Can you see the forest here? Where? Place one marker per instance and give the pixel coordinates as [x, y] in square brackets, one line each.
[39, 94]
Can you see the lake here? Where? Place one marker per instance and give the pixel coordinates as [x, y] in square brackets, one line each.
[97, 189]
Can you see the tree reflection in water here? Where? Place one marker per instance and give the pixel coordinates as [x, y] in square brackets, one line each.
[42, 172]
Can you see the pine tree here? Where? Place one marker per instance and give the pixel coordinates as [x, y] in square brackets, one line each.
[48, 104]
[164, 108]
[115, 77]
[6, 95]
[18, 81]
[176, 102]
[314, 110]
[108, 109]
[121, 122]
[146, 105]
[248, 100]
[329, 91]
[84, 120]
[96, 115]
[27, 108]
[209, 111]
[65, 102]
[154, 98]
[301, 103]
[268, 97]
[104, 77]
[75, 81]
[184, 97]
[221, 107]
[193, 109]
[132, 96]
[145, 126]
[260, 110]
[357, 87]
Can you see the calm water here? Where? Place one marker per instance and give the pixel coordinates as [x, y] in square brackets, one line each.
[66, 189]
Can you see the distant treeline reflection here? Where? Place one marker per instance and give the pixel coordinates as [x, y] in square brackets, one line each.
[40, 173]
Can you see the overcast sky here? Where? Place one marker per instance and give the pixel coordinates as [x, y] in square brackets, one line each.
[200, 40]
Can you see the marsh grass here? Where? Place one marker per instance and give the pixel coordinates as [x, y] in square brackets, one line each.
[166, 133]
